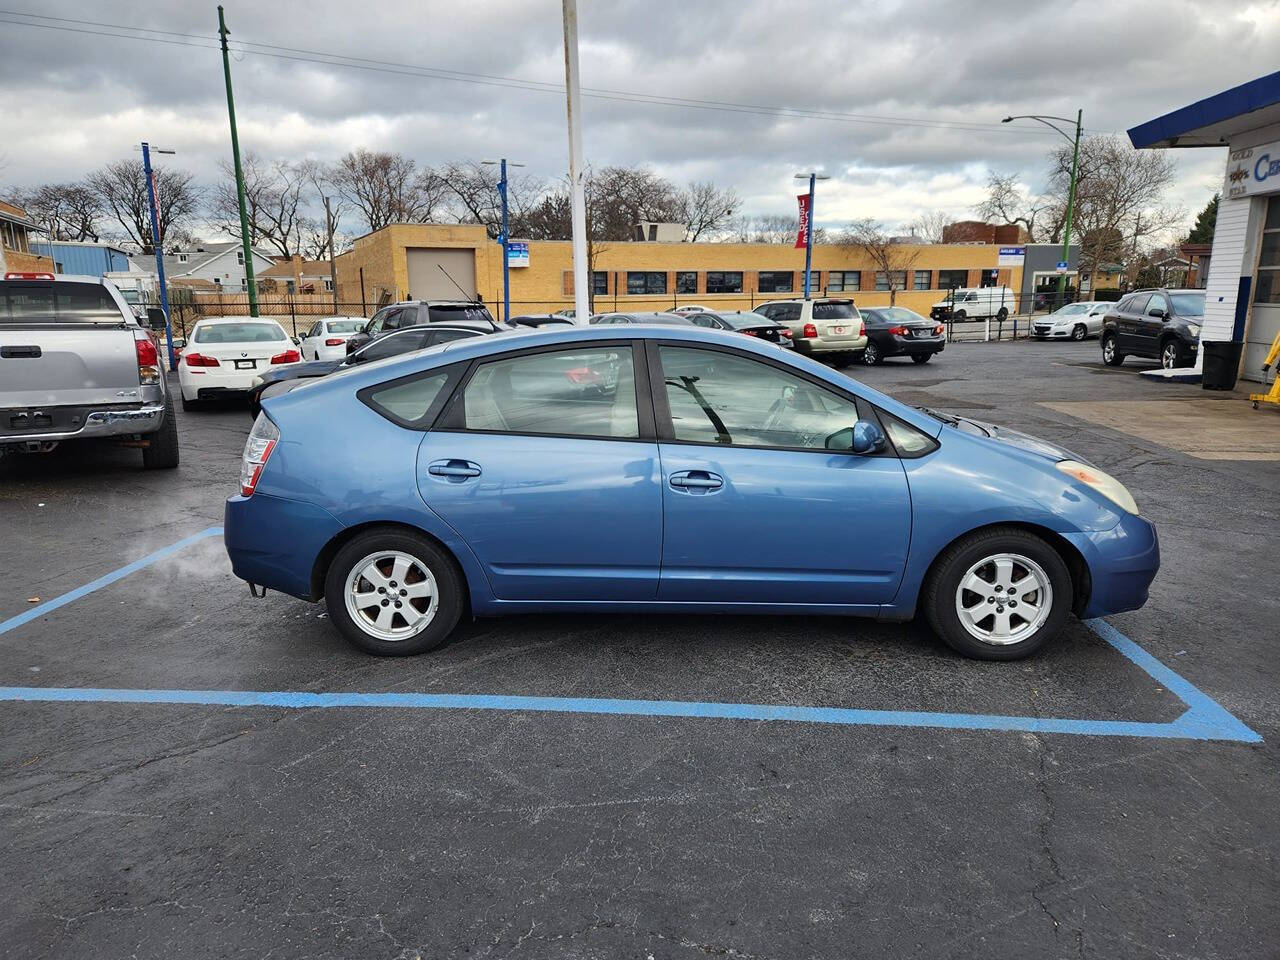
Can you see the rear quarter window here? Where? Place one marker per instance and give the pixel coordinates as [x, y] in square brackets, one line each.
[414, 401]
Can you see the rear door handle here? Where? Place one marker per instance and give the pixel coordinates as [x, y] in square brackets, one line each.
[455, 469]
[696, 481]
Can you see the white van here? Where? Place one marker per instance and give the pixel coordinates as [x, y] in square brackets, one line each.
[975, 303]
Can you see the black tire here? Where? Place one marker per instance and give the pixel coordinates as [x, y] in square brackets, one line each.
[162, 453]
[1002, 314]
[921, 357]
[450, 591]
[960, 315]
[189, 405]
[872, 356]
[1079, 332]
[841, 360]
[938, 596]
[1111, 354]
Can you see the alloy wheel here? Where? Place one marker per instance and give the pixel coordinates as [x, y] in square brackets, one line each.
[1169, 355]
[1109, 349]
[871, 355]
[391, 595]
[1078, 332]
[1004, 599]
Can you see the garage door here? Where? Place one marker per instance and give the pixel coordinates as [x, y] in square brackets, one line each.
[430, 270]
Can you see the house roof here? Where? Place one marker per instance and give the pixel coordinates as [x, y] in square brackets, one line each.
[204, 254]
[1213, 121]
[306, 268]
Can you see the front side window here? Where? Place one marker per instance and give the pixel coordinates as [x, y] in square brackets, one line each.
[584, 392]
[1157, 306]
[724, 281]
[687, 281]
[722, 398]
[640, 282]
[775, 281]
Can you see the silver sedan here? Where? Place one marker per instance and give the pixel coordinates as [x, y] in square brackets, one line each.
[1075, 321]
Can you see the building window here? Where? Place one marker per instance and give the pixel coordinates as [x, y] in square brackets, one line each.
[840, 281]
[240, 257]
[923, 279]
[723, 281]
[687, 281]
[952, 279]
[599, 283]
[288, 287]
[893, 280]
[640, 282]
[1267, 288]
[182, 258]
[775, 281]
[328, 284]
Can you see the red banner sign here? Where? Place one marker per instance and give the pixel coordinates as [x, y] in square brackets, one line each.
[802, 237]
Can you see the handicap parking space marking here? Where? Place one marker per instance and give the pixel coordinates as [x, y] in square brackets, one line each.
[106, 580]
[1204, 719]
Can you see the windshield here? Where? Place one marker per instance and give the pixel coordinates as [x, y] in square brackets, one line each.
[1071, 309]
[835, 310]
[346, 326]
[1188, 304]
[47, 301]
[239, 333]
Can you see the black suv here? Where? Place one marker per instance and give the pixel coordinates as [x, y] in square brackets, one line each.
[1158, 324]
[414, 313]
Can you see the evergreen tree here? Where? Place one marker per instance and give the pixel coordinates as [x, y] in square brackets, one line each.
[1202, 232]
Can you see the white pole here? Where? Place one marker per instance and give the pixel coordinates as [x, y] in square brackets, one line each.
[577, 173]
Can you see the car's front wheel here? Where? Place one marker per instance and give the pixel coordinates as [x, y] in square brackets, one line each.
[998, 594]
[392, 592]
[1171, 355]
[1079, 331]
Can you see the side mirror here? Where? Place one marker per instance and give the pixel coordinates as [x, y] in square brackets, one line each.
[296, 342]
[155, 318]
[863, 437]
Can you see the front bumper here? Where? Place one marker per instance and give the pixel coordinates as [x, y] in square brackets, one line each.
[1050, 333]
[90, 422]
[274, 542]
[1122, 561]
[810, 346]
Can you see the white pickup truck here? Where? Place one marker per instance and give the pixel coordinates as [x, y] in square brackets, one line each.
[76, 364]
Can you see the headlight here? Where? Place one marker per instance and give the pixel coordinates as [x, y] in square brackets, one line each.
[1194, 328]
[1104, 483]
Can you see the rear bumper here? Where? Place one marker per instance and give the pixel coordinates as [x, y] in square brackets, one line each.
[274, 542]
[809, 346]
[211, 381]
[1123, 561]
[901, 346]
[87, 423]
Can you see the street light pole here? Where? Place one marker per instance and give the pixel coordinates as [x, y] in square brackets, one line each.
[505, 237]
[577, 169]
[1071, 190]
[158, 247]
[808, 234]
[249, 280]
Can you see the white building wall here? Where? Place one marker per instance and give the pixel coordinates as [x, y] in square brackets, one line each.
[1234, 253]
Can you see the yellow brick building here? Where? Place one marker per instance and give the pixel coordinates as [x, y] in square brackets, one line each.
[424, 261]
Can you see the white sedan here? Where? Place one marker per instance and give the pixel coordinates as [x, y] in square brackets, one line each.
[224, 354]
[327, 338]
[1075, 321]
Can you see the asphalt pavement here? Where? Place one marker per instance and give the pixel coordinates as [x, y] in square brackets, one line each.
[498, 828]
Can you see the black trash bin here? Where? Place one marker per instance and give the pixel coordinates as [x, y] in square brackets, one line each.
[1221, 364]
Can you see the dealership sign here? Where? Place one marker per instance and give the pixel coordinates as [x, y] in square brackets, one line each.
[802, 234]
[1252, 171]
[1012, 256]
[517, 254]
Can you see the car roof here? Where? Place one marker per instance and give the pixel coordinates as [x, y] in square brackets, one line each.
[205, 321]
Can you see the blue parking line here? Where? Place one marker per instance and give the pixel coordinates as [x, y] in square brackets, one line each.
[1204, 719]
[104, 581]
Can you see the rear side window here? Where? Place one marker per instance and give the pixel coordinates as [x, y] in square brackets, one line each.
[834, 311]
[49, 301]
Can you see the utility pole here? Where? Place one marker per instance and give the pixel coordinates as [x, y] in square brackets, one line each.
[158, 246]
[808, 233]
[505, 237]
[577, 175]
[249, 280]
[333, 266]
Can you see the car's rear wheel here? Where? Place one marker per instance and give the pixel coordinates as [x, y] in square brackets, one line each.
[960, 315]
[1002, 314]
[921, 357]
[161, 452]
[872, 355]
[1079, 332]
[1111, 354]
[392, 592]
[999, 594]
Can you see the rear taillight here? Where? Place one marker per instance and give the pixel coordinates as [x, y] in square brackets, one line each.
[334, 342]
[262, 440]
[750, 333]
[810, 330]
[939, 328]
[199, 360]
[862, 329]
[897, 331]
[785, 332]
[148, 359]
[289, 356]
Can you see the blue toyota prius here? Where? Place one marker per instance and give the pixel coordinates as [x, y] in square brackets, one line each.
[648, 468]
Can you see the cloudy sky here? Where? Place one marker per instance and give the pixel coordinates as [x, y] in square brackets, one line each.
[919, 86]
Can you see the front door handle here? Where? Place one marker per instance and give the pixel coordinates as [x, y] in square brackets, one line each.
[453, 469]
[696, 481]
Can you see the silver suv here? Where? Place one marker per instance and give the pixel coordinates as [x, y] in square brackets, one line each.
[75, 364]
[825, 328]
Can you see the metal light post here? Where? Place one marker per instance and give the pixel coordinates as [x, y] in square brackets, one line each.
[249, 280]
[577, 169]
[157, 245]
[812, 177]
[504, 238]
[1071, 191]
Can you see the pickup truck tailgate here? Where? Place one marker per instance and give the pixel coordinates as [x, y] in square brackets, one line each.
[66, 365]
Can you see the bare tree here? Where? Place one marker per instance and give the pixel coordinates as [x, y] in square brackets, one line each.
[122, 187]
[893, 260]
[704, 208]
[621, 197]
[69, 211]
[929, 225]
[274, 204]
[387, 188]
[1009, 202]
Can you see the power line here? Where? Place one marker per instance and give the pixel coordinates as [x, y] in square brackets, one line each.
[296, 54]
